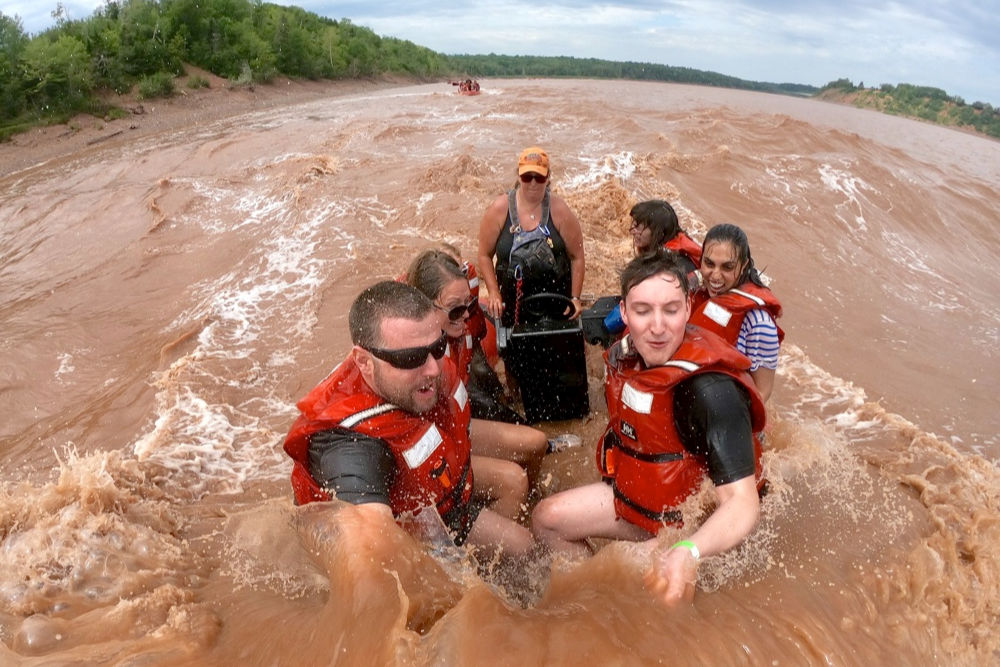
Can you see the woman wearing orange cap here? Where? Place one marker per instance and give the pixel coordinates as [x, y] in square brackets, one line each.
[536, 240]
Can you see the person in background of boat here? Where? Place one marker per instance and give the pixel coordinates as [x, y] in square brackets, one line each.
[734, 302]
[476, 324]
[439, 277]
[388, 429]
[681, 406]
[655, 224]
[536, 240]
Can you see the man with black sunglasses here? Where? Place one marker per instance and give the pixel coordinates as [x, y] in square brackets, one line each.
[388, 429]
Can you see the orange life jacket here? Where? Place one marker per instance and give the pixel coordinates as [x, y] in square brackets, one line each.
[476, 324]
[651, 471]
[460, 352]
[724, 314]
[432, 451]
[685, 245]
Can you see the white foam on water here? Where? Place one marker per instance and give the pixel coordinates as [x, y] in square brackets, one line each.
[374, 211]
[618, 165]
[211, 447]
[906, 254]
[786, 173]
[819, 394]
[854, 190]
[424, 199]
[201, 436]
[95, 537]
[65, 366]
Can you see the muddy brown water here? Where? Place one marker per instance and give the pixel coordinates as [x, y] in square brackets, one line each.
[165, 302]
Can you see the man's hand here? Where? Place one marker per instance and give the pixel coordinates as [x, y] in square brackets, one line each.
[672, 576]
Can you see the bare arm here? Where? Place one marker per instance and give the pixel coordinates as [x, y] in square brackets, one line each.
[376, 554]
[572, 234]
[489, 233]
[763, 378]
[673, 573]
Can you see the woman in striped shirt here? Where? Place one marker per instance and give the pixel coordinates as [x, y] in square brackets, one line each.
[735, 302]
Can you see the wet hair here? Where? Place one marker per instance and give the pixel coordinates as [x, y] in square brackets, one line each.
[432, 271]
[659, 217]
[653, 263]
[729, 233]
[388, 298]
[451, 250]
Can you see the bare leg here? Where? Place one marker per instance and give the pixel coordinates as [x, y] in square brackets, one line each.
[503, 484]
[493, 535]
[563, 521]
[512, 442]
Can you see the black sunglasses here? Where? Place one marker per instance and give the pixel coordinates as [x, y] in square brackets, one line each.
[455, 314]
[409, 358]
[529, 176]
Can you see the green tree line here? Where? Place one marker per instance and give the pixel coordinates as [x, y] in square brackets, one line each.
[562, 66]
[924, 102]
[73, 66]
[63, 70]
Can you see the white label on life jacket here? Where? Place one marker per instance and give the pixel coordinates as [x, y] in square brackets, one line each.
[717, 313]
[473, 282]
[689, 366]
[747, 295]
[423, 448]
[639, 401]
[461, 395]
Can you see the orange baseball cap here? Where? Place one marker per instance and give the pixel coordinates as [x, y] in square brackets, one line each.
[533, 159]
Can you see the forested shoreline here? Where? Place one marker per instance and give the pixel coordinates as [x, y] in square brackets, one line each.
[141, 46]
[923, 102]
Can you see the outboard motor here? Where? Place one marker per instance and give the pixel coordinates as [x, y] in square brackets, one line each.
[545, 354]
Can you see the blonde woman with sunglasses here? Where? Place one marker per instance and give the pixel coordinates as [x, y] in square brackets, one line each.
[440, 278]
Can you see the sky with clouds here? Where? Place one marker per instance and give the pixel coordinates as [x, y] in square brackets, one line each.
[948, 44]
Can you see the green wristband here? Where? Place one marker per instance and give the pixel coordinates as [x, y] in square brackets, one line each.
[690, 546]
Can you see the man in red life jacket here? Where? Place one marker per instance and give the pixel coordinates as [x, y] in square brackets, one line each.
[388, 429]
[681, 406]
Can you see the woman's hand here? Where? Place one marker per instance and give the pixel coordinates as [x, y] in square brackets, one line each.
[577, 308]
[494, 306]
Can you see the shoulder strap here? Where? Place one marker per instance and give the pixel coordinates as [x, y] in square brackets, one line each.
[353, 420]
[747, 295]
[515, 222]
[545, 211]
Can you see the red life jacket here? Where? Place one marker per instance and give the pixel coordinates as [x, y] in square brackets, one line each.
[724, 314]
[685, 245]
[432, 451]
[460, 352]
[476, 324]
[650, 469]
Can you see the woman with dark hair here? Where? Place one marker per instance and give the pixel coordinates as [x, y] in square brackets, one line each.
[535, 239]
[654, 224]
[735, 303]
[442, 280]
